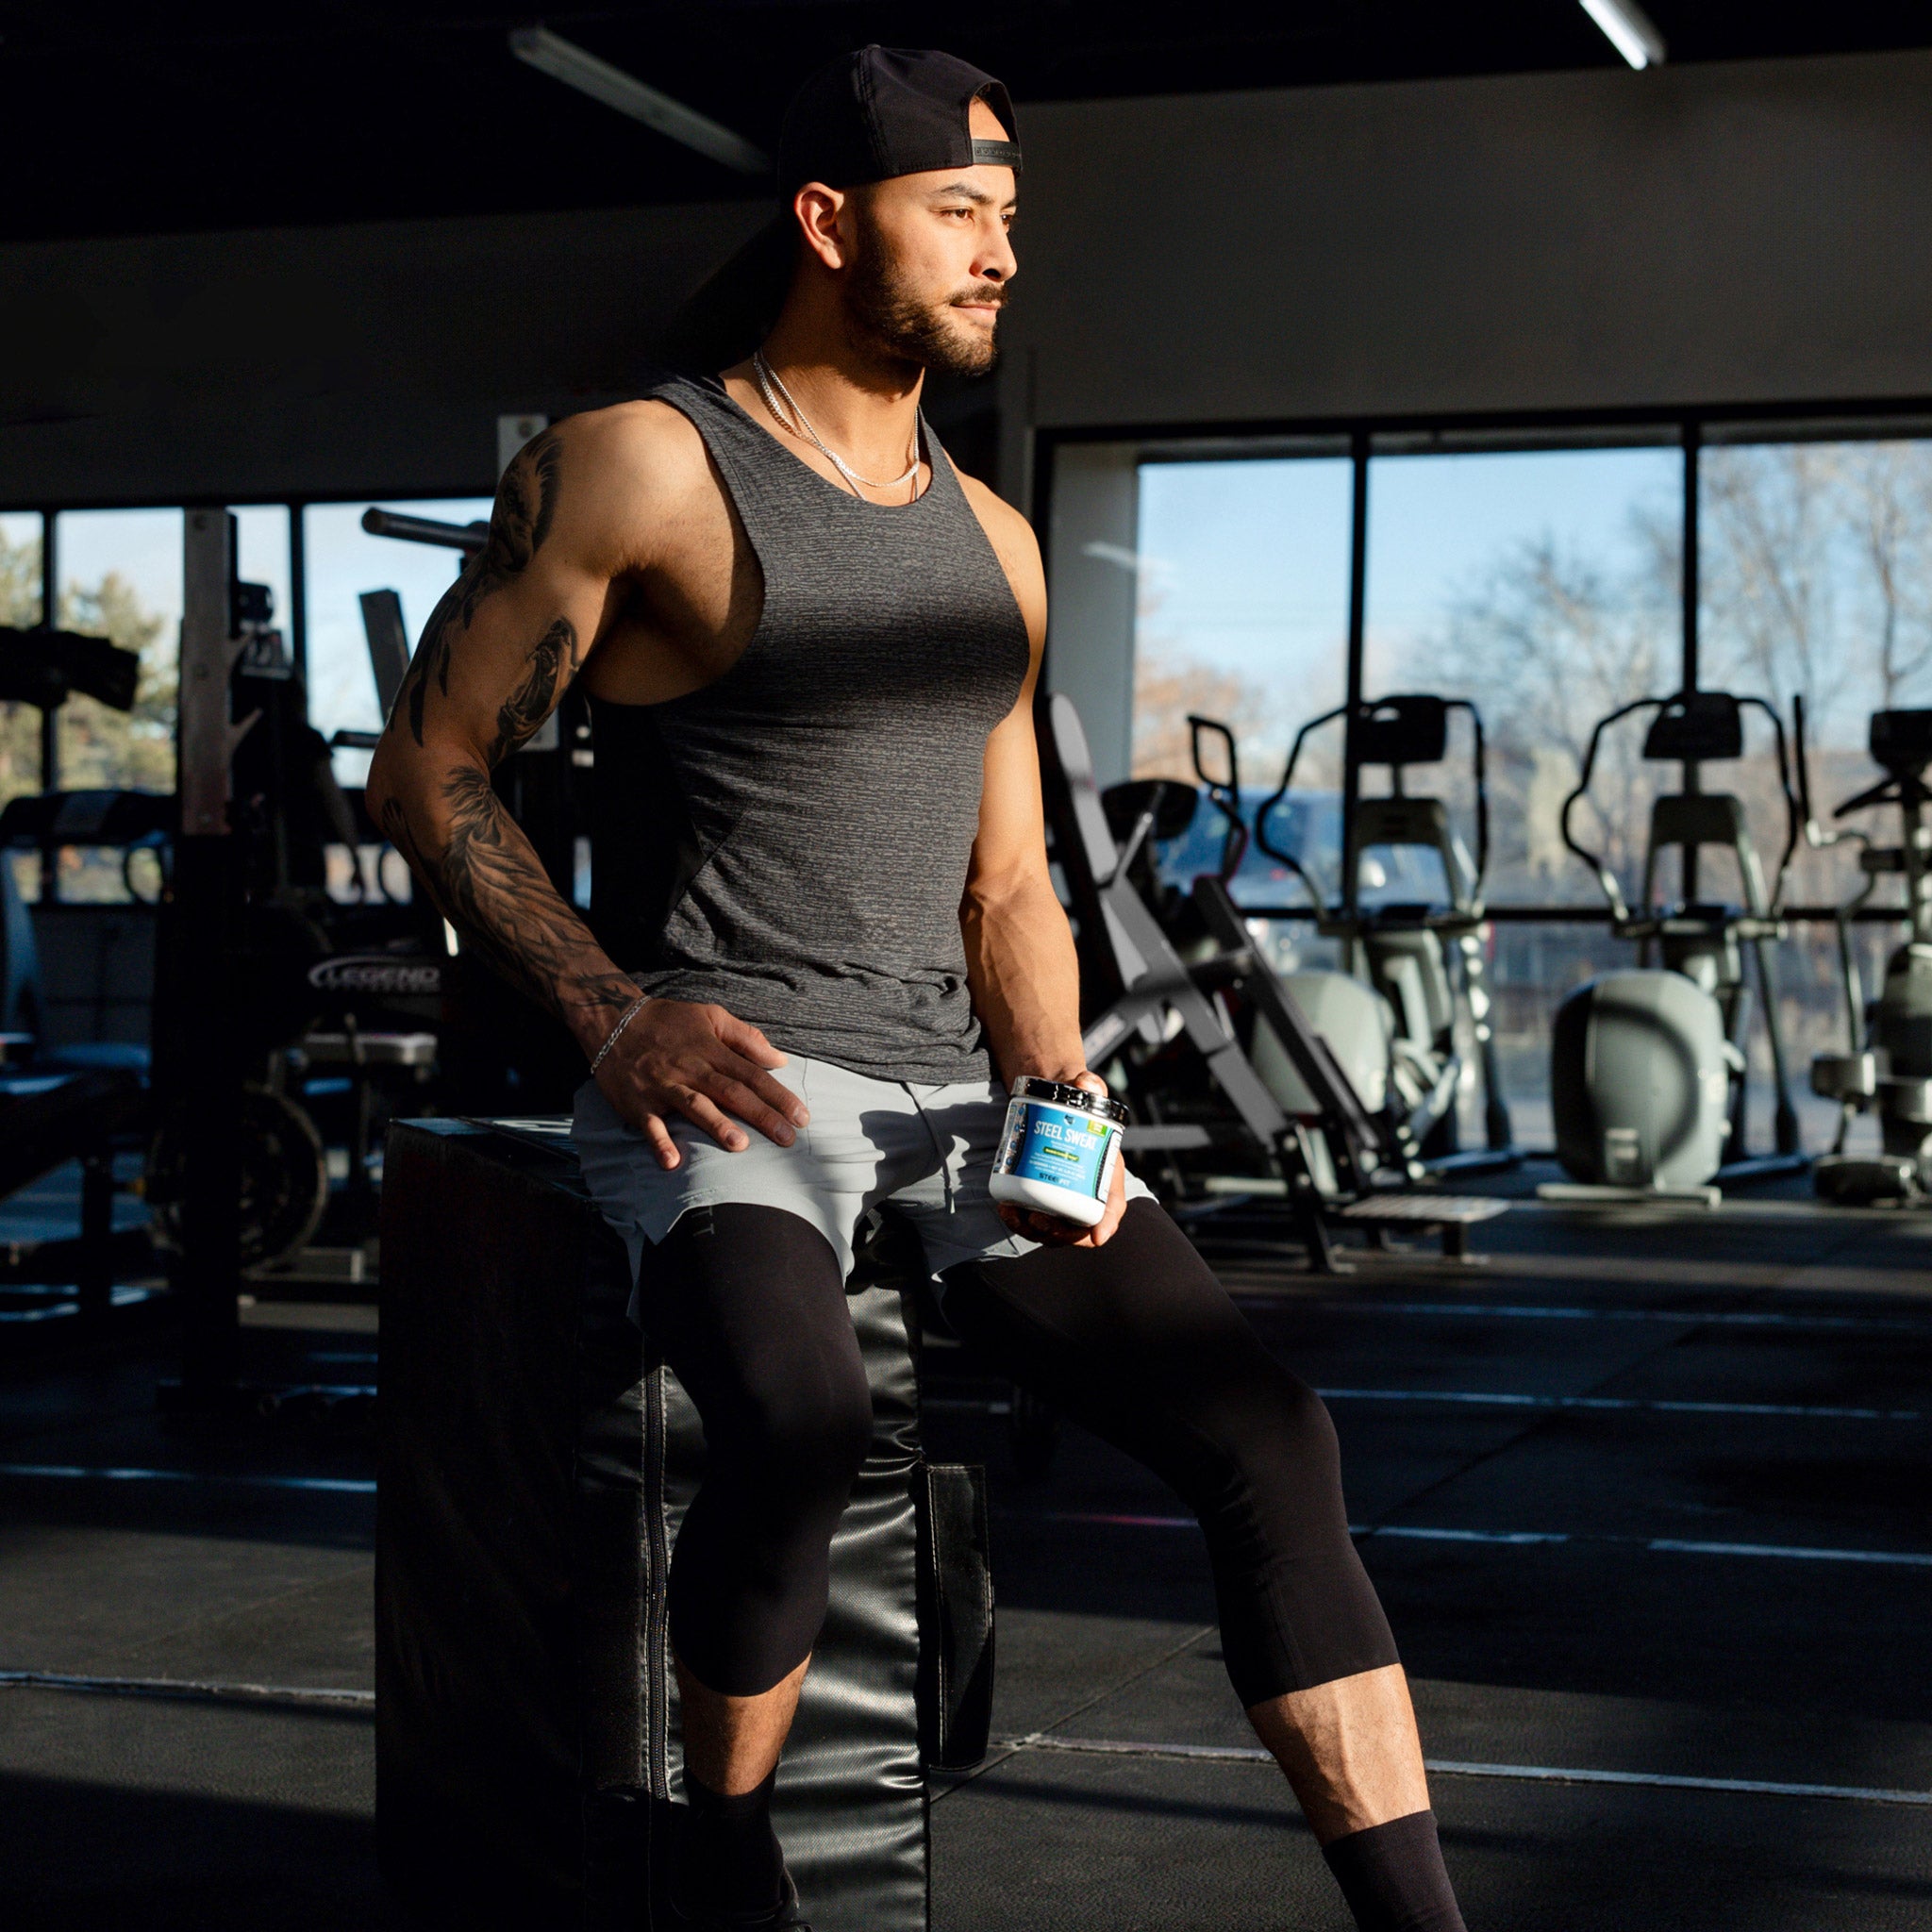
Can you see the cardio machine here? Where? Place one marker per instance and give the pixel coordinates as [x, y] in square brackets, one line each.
[1429, 1013]
[1647, 1067]
[1174, 1033]
[1886, 1069]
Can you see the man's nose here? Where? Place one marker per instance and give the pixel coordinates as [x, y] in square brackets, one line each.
[997, 263]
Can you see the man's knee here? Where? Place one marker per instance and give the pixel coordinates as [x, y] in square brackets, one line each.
[753, 1316]
[806, 1432]
[1303, 1432]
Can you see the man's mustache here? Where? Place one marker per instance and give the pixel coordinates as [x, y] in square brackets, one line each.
[982, 295]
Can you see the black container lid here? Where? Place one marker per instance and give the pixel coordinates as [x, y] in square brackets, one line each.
[1033, 1087]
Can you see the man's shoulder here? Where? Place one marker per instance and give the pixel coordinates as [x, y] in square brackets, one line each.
[1015, 545]
[1003, 523]
[644, 444]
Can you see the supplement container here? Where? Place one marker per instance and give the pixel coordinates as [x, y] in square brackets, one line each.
[1059, 1149]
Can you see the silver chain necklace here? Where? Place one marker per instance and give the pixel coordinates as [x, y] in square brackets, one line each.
[769, 379]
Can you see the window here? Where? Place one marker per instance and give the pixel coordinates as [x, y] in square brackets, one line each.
[20, 568]
[1242, 616]
[1544, 584]
[261, 555]
[120, 577]
[342, 561]
[1242, 611]
[20, 610]
[1815, 581]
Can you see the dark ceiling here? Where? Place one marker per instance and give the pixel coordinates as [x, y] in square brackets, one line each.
[213, 115]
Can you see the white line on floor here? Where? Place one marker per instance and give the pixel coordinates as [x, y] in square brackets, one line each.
[1440, 1767]
[345, 1486]
[1423, 1533]
[1483, 1398]
[182, 1687]
[1683, 1318]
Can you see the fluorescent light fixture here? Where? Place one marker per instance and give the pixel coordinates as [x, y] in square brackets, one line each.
[1628, 29]
[577, 67]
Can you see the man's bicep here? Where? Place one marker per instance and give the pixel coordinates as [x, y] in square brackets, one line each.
[1012, 840]
[507, 636]
[488, 683]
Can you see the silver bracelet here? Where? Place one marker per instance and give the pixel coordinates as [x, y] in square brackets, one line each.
[624, 1019]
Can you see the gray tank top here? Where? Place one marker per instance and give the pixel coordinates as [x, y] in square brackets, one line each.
[791, 841]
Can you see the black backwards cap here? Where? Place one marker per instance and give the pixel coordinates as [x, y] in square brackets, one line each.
[886, 112]
[864, 117]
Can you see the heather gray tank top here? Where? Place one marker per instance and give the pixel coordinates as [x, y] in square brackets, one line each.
[791, 841]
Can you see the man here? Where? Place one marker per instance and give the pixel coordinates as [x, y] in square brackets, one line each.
[825, 931]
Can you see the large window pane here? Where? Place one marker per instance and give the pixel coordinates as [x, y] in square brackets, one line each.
[20, 568]
[1243, 617]
[1544, 584]
[1816, 580]
[1244, 606]
[342, 561]
[261, 555]
[20, 610]
[121, 577]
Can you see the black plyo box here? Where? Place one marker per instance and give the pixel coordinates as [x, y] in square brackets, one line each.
[535, 1463]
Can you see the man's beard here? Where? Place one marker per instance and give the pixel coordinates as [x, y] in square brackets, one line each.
[890, 319]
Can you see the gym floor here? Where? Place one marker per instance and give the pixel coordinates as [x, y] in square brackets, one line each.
[1646, 1496]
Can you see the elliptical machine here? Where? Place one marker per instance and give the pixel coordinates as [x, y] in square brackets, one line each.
[1647, 1067]
[1887, 1067]
[1402, 949]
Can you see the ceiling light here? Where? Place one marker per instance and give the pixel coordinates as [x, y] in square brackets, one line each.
[1629, 29]
[576, 67]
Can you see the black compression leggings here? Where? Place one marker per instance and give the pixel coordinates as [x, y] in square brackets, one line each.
[1136, 1340]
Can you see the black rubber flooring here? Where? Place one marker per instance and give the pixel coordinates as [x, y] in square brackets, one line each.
[1663, 1578]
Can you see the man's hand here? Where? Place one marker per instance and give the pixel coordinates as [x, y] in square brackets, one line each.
[676, 1058]
[1049, 1230]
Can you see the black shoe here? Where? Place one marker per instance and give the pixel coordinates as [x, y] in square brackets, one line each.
[783, 1917]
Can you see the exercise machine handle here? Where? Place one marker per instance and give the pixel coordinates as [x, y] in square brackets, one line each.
[1795, 813]
[1815, 834]
[1275, 798]
[1482, 790]
[1605, 876]
[1226, 796]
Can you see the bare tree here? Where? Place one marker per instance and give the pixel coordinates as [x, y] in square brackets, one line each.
[20, 609]
[1548, 641]
[1887, 504]
[1769, 571]
[1167, 685]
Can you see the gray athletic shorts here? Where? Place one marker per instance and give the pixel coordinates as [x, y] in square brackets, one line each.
[928, 1149]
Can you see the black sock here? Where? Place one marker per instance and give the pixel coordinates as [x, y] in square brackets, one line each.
[1393, 1877]
[731, 1864]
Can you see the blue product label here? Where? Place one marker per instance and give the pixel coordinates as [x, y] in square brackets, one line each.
[1058, 1146]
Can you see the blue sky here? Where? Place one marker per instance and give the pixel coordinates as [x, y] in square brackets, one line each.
[1245, 564]
[344, 560]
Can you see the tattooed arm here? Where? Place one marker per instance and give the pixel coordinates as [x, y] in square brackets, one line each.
[493, 660]
[497, 654]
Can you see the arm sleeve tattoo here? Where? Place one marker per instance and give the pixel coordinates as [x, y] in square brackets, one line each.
[486, 877]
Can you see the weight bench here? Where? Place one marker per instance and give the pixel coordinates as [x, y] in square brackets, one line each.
[535, 1463]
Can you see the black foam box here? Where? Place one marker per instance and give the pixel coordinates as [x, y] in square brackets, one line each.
[536, 1460]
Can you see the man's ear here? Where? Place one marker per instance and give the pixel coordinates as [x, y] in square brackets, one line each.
[823, 217]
